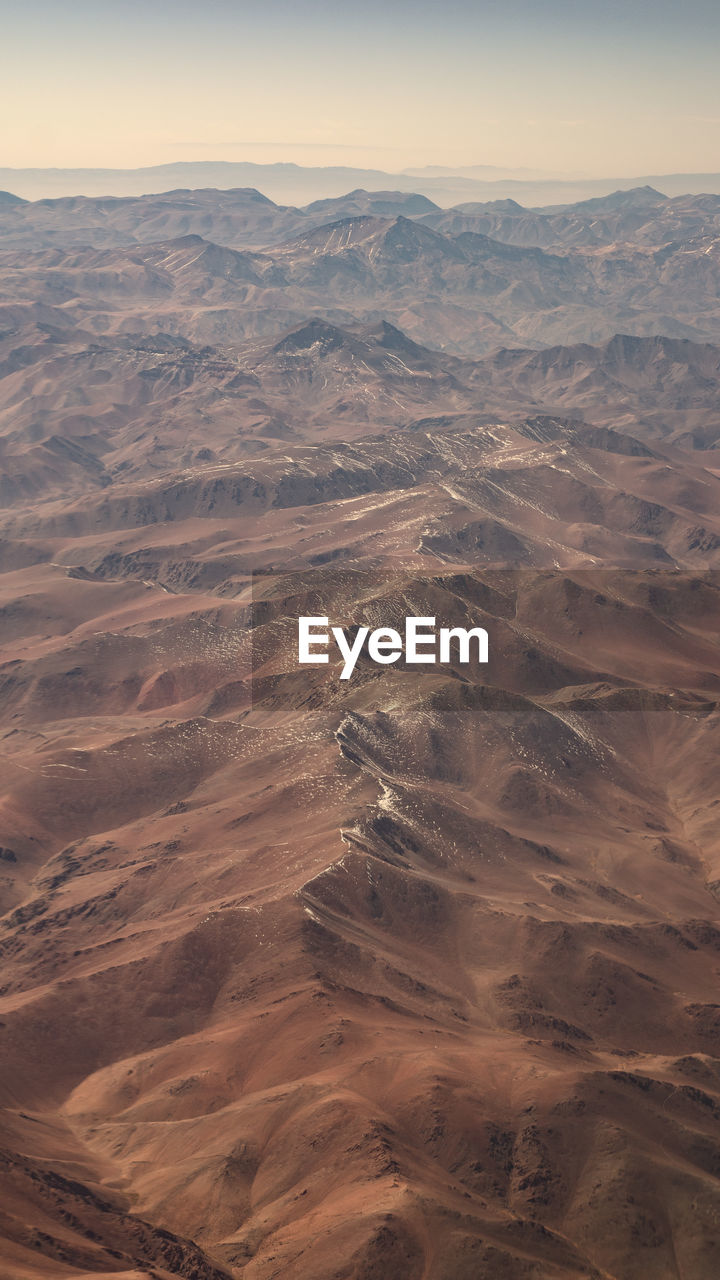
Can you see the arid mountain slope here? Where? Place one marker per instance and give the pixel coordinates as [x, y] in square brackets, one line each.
[408, 977]
[82, 411]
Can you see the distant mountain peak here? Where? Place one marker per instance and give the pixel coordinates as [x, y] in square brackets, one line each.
[408, 239]
[634, 198]
[252, 194]
[393, 339]
[506, 206]
[310, 334]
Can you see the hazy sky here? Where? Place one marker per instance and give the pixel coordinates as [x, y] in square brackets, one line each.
[604, 88]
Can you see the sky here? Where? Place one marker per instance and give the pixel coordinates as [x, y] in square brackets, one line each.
[563, 87]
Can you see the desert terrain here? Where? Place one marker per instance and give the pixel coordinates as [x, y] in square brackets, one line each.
[415, 976]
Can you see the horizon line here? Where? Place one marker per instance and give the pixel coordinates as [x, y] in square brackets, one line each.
[409, 172]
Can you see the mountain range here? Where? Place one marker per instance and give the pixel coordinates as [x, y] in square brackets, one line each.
[296, 184]
[652, 269]
[407, 977]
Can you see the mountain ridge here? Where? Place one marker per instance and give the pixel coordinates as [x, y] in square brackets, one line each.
[290, 182]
